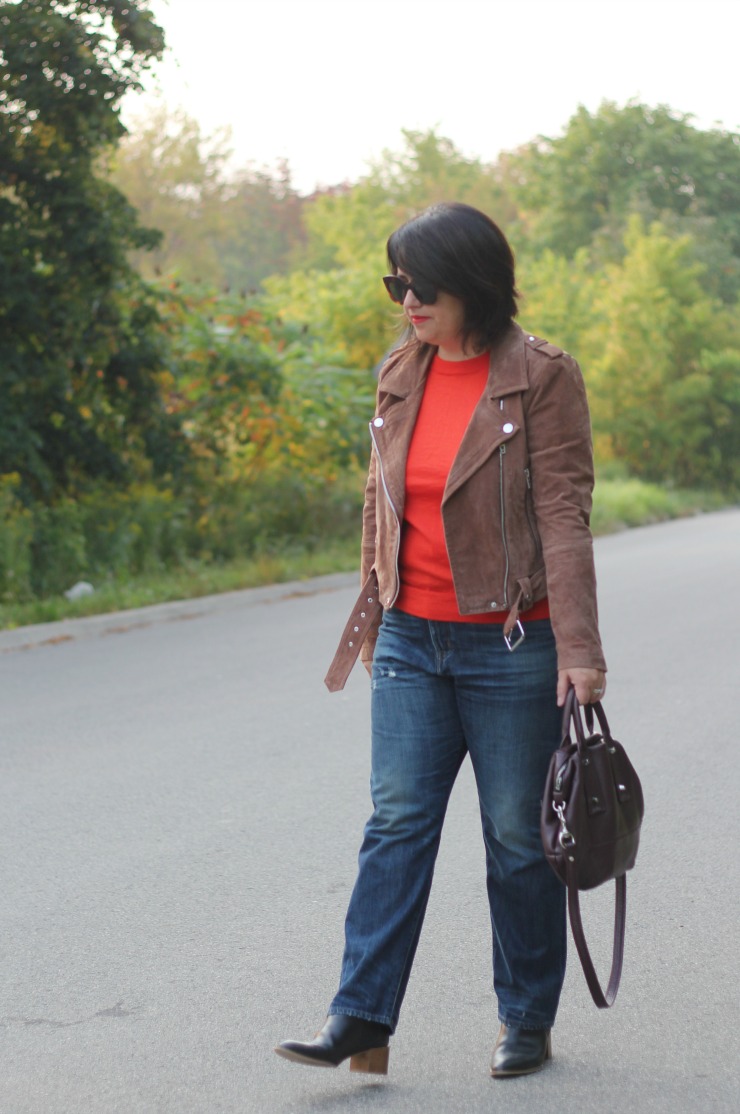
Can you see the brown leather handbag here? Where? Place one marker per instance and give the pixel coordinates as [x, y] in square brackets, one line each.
[592, 811]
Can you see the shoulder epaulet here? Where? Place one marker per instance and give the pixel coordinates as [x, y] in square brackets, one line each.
[544, 346]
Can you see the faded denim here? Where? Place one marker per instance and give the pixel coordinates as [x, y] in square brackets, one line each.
[440, 691]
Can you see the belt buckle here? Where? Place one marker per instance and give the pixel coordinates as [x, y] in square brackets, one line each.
[515, 638]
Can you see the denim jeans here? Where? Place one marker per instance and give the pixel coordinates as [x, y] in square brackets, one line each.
[441, 690]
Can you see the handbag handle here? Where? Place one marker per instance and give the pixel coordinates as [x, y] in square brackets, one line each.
[588, 711]
[572, 713]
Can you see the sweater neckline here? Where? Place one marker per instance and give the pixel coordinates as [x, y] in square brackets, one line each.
[474, 365]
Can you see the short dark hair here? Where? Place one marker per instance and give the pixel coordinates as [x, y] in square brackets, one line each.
[462, 251]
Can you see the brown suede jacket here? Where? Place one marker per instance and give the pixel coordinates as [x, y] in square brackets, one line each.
[516, 507]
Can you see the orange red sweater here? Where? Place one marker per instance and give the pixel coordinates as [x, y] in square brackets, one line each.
[452, 391]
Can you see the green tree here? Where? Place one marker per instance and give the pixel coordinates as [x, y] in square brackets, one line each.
[346, 309]
[663, 365]
[346, 222]
[558, 297]
[263, 229]
[219, 226]
[335, 290]
[80, 342]
[579, 189]
[174, 177]
[224, 369]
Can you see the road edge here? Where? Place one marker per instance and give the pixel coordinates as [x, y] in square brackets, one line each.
[119, 622]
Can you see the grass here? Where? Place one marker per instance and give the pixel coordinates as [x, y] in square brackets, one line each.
[619, 503]
[186, 582]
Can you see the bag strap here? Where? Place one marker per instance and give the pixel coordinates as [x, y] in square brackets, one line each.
[572, 713]
[602, 1000]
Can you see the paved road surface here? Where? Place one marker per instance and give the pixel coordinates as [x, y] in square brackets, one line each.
[181, 809]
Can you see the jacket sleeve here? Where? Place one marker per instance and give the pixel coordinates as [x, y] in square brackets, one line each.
[562, 477]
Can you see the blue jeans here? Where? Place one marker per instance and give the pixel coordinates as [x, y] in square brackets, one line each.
[441, 690]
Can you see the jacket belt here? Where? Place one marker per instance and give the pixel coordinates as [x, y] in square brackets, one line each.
[523, 601]
[365, 614]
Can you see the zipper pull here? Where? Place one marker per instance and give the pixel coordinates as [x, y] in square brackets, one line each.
[502, 449]
[528, 478]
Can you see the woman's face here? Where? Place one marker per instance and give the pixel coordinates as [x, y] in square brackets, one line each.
[440, 324]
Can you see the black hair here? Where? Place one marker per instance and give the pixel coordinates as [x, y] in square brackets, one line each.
[460, 250]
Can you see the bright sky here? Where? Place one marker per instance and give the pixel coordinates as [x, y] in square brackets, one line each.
[328, 84]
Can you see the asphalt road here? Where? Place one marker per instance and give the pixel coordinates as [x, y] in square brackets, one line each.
[181, 808]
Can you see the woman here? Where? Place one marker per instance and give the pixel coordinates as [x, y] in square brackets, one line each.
[478, 611]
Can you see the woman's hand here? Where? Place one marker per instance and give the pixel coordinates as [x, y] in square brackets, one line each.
[590, 685]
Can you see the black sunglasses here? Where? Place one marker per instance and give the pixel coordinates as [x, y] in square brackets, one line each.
[398, 288]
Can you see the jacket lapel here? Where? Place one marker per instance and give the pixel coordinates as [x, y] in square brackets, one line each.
[490, 424]
[401, 390]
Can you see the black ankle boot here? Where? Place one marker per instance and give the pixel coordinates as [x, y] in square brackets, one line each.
[365, 1042]
[520, 1051]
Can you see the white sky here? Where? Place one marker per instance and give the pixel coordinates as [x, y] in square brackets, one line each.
[328, 84]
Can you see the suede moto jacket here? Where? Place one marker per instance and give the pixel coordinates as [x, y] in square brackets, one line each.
[516, 506]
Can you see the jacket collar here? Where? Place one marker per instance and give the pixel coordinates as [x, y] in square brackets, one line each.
[507, 373]
[507, 370]
[405, 370]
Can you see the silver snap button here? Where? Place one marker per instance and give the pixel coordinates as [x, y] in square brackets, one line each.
[493, 603]
[377, 422]
[531, 338]
[369, 599]
[351, 644]
[362, 614]
[356, 629]
[508, 427]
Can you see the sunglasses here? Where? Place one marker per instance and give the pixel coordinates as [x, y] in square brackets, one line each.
[398, 288]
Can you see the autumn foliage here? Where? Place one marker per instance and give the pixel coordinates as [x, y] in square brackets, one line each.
[187, 351]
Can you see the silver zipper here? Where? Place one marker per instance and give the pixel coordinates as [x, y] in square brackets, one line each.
[501, 455]
[395, 515]
[527, 506]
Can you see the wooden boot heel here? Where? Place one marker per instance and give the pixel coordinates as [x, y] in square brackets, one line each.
[375, 1060]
